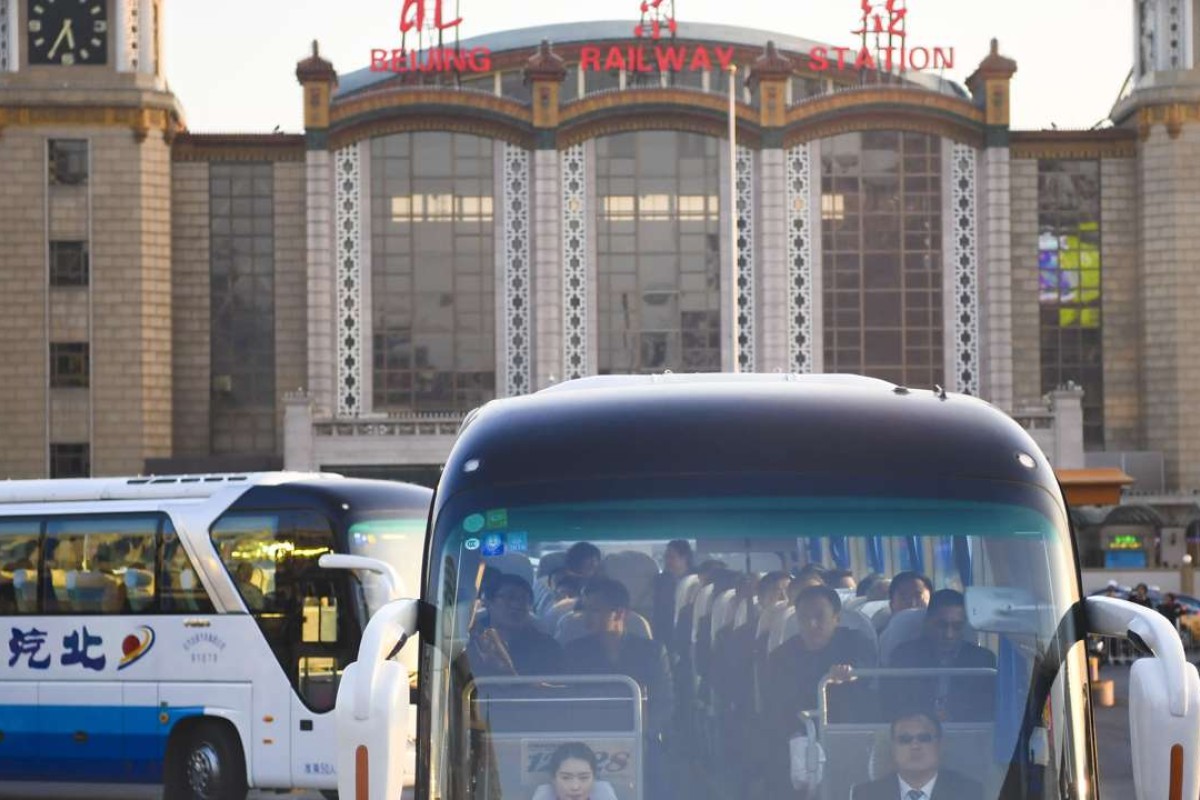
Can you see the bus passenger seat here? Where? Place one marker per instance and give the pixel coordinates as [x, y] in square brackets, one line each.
[685, 593]
[901, 628]
[25, 589]
[784, 628]
[637, 572]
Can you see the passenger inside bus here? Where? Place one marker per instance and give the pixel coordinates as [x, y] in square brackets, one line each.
[573, 776]
[916, 750]
[907, 590]
[943, 644]
[508, 641]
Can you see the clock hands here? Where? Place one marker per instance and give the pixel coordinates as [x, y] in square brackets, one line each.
[65, 33]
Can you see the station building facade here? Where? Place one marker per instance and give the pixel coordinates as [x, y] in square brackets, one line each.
[340, 298]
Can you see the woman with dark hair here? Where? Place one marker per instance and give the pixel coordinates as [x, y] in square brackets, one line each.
[573, 776]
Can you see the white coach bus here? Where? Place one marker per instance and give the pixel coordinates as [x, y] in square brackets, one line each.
[686, 681]
[192, 630]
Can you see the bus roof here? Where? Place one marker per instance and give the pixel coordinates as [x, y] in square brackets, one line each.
[611, 426]
[144, 487]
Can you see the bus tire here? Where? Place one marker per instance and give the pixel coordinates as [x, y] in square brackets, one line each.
[329, 794]
[205, 762]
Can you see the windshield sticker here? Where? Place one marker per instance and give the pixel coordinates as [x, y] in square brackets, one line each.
[473, 523]
[471, 544]
[493, 544]
[497, 518]
[517, 542]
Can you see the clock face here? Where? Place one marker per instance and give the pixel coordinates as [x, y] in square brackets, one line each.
[68, 32]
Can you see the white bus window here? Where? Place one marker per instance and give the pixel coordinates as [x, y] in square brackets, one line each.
[179, 589]
[19, 550]
[100, 565]
[302, 609]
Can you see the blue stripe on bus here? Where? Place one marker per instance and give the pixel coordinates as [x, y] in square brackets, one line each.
[123, 744]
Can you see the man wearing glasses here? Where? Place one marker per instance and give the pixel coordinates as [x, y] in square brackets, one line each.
[941, 645]
[917, 751]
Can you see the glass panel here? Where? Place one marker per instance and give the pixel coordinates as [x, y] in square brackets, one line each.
[242, 212]
[432, 294]
[20, 548]
[657, 252]
[708, 612]
[180, 590]
[1070, 283]
[100, 565]
[893, 244]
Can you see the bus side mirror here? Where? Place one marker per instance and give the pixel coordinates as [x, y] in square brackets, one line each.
[1164, 700]
[371, 714]
[393, 583]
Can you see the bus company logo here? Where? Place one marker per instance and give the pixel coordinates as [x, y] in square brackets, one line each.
[204, 648]
[650, 53]
[429, 17]
[136, 645]
[883, 44]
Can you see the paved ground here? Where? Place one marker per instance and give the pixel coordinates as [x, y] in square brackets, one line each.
[1112, 739]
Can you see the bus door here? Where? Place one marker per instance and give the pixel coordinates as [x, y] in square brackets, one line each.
[306, 615]
[513, 726]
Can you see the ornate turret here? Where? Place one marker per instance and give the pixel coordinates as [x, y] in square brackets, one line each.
[771, 72]
[990, 85]
[545, 70]
[318, 78]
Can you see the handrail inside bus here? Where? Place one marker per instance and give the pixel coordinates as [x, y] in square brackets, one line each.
[915, 673]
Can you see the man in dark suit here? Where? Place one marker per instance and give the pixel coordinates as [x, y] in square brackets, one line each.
[917, 752]
[941, 644]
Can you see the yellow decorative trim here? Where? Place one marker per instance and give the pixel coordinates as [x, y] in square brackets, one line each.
[1073, 149]
[1173, 115]
[630, 100]
[239, 147]
[919, 111]
[612, 124]
[404, 98]
[475, 126]
[141, 121]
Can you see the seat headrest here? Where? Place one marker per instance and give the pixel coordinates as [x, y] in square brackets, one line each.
[187, 580]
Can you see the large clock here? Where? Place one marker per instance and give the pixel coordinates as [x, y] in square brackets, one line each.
[67, 32]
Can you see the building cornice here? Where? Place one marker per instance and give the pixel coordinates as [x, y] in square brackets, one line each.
[1108, 143]
[884, 108]
[274, 147]
[141, 121]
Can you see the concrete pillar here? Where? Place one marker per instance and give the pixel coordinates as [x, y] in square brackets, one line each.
[772, 304]
[299, 448]
[1067, 405]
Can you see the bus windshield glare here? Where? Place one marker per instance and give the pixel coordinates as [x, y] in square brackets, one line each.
[708, 636]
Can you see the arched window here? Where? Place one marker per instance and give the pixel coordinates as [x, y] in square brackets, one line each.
[658, 252]
[881, 222]
[432, 272]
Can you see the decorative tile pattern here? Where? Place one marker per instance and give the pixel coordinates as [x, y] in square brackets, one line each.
[966, 269]
[1175, 35]
[131, 25]
[517, 294]
[575, 244]
[745, 257]
[4, 36]
[349, 309]
[800, 259]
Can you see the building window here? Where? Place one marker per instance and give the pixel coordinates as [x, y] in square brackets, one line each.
[1070, 286]
[514, 86]
[242, 308]
[68, 264]
[433, 272]
[658, 252]
[69, 365]
[881, 225]
[68, 162]
[70, 461]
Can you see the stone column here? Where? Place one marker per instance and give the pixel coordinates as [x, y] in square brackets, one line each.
[299, 453]
[546, 71]
[767, 251]
[318, 78]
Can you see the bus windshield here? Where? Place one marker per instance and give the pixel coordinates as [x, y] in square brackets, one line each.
[749, 635]
[399, 541]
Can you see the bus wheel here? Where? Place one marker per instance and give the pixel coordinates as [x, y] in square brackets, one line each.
[205, 763]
